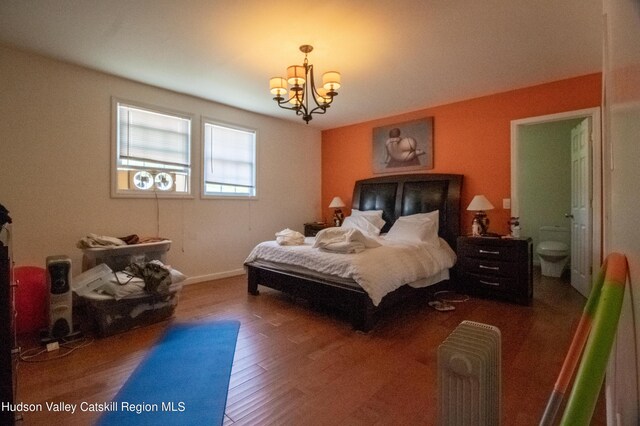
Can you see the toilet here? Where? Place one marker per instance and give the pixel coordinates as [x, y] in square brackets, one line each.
[553, 249]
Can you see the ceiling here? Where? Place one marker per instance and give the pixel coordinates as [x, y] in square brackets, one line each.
[394, 57]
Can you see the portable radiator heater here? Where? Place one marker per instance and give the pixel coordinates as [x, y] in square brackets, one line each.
[60, 298]
[469, 379]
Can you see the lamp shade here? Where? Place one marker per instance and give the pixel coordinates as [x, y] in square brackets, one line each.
[337, 203]
[278, 86]
[480, 203]
[331, 80]
[296, 75]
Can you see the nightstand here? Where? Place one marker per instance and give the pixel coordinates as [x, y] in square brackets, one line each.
[312, 228]
[497, 267]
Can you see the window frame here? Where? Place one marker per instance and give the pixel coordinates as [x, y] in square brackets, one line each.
[219, 196]
[119, 193]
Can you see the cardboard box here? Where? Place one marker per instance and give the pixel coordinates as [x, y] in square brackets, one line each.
[91, 279]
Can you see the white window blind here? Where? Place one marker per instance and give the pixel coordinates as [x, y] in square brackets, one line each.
[152, 152]
[230, 160]
[148, 137]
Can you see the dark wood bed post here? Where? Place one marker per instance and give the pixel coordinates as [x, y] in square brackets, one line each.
[253, 278]
[363, 320]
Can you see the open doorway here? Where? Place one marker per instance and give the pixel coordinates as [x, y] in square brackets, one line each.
[542, 193]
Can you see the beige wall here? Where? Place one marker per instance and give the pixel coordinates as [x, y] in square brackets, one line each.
[622, 197]
[55, 144]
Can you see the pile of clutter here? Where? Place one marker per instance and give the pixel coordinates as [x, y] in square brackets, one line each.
[119, 272]
[137, 279]
[95, 241]
[126, 282]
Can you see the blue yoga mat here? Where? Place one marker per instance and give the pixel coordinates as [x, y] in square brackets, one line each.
[183, 381]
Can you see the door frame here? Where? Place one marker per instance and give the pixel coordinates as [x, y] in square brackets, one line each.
[596, 170]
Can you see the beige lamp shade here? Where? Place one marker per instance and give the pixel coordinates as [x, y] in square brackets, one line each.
[278, 86]
[296, 75]
[331, 80]
[337, 203]
[480, 203]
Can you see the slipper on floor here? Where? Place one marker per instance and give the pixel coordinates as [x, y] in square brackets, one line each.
[441, 306]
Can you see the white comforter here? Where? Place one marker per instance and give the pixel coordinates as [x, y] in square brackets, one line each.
[377, 270]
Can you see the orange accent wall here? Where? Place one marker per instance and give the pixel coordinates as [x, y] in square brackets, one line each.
[471, 137]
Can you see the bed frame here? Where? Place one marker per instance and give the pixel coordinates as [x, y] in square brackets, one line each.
[397, 195]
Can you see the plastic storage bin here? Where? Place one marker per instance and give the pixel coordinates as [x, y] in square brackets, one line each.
[118, 258]
[115, 316]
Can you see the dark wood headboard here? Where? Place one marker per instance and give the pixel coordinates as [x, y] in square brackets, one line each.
[403, 195]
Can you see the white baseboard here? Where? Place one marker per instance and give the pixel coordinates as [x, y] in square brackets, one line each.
[215, 276]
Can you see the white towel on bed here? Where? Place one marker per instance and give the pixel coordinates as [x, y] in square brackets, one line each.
[341, 240]
[289, 237]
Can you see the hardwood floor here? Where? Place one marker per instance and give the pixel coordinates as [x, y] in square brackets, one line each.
[295, 364]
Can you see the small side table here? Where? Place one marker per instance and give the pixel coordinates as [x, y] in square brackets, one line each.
[497, 267]
[312, 228]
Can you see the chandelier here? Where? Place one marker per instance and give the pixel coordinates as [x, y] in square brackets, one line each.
[303, 91]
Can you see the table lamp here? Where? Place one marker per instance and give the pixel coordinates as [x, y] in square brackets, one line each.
[337, 205]
[480, 222]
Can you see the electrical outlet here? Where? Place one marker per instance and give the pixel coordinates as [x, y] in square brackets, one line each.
[506, 203]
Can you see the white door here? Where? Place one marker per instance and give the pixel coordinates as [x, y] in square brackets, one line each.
[581, 207]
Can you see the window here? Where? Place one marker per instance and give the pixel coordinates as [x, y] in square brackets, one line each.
[229, 161]
[153, 152]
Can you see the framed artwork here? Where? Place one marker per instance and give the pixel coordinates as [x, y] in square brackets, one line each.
[403, 147]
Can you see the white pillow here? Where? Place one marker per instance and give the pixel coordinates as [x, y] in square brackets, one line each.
[422, 230]
[434, 216]
[374, 216]
[356, 212]
[361, 223]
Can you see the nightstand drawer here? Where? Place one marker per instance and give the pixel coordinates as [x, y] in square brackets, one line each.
[502, 284]
[481, 250]
[477, 266]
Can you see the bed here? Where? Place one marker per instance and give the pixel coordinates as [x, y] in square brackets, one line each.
[396, 196]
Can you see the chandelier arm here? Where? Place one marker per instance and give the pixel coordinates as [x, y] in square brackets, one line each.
[289, 108]
[320, 109]
[293, 108]
[328, 95]
[308, 74]
[282, 103]
[299, 94]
